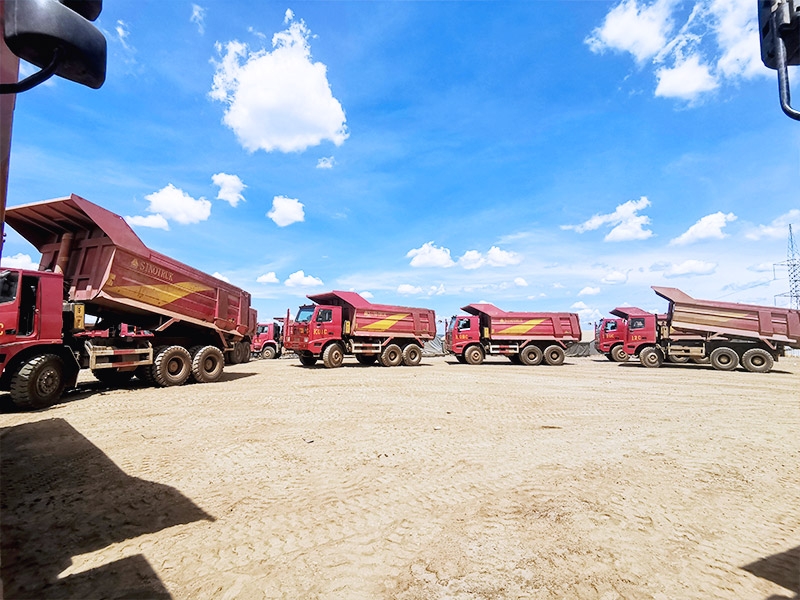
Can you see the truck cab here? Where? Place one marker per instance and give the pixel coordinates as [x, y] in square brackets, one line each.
[609, 339]
[640, 328]
[312, 329]
[267, 341]
[461, 331]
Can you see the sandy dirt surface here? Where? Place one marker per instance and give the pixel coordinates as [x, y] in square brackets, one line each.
[589, 480]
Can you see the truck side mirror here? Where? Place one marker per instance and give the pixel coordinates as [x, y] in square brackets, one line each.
[56, 36]
[779, 28]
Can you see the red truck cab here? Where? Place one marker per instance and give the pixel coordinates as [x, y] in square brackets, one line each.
[609, 339]
[314, 326]
[267, 341]
[462, 331]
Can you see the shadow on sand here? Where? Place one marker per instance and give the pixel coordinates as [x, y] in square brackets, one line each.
[782, 568]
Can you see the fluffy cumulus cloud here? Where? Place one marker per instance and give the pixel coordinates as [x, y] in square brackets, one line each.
[692, 48]
[495, 257]
[152, 221]
[589, 291]
[19, 261]
[709, 227]
[778, 228]
[230, 188]
[286, 211]
[520, 282]
[626, 223]
[172, 204]
[326, 162]
[280, 99]
[586, 313]
[219, 275]
[687, 268]
[430, 255]
[300, 279]
[270, 277]
[615, 277]
[406, 289]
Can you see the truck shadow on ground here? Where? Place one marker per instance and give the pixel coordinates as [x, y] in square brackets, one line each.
[692, 366]
[61, 496]
[782, 569]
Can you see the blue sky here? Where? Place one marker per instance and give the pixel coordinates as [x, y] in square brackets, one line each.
[555, 156]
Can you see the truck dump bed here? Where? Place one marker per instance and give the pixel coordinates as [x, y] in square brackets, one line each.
[109, 268]
[768, 323]
[380, 320]
[504, 325]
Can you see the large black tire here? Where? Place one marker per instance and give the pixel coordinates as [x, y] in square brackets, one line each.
[333, 356]
[531, 355]
[172, 366]
[757, 360]
[307, 360]
[412, 355]
[208, 363]
[554, 355]
[391, 356]
[618, 354]
[39, 382]
[366, 359]
[268, 352]
[474, 355]
[146, 372]
[247, 352]
[724, 358]
[651, 357]
[678, 360]
[112, 377]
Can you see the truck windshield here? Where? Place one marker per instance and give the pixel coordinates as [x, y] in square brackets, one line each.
[8, 286]
[262, 329]
[304, 314]
[452, 324]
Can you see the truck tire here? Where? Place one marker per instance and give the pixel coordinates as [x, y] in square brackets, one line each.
[172, 366]
[651, 357]
[208, 363]
[474, 355]
[757, 360]
[112, 377]
[308, 360]
[391, 356]
[268, 352]
[531, 356]
[145, 372]
[247, 352]
[412, 355]
[678, 360]
[366, 359]
[554, 355]
[724, 358]
[618, 354]
[39, 382]
[333, 356]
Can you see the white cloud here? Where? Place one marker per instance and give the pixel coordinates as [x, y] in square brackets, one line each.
[579, 305]
[220, 276]
[687, 268]
[762, 267]
[406, 289]
[230, 188]
[502, 258]
[326, 162]
[286, 211]
[615, 277]
[709, 227]
[367, 295]
[627, 224]
[198, 18]
[429, 255]
[520, 282]
[278, 100]
[270, 277]
[154, 221]
[736, 29]
[20, 261]
[778, 228]
[176, 205]
[629, 27]
[122, 31]
[589, 291]
[472, 259]
[686, 80]
[300, 279]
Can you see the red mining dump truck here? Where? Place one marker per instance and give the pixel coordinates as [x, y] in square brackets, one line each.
[609, 338]
[524, 337]
[268, 340]
[726, 334]
[345, 323]
[155, 316]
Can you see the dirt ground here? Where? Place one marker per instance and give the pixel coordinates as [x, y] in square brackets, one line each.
[589, 480]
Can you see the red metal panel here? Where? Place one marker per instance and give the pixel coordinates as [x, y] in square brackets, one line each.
[526, 325]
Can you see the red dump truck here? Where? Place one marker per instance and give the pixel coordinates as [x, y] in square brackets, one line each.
[609, 338]
[153, 315]
[726, 334]
[268, 340]
[342, 323]
[524, 337]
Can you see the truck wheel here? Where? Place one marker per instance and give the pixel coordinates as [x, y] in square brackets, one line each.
[308, 360]
[724, 358]
[207, 364]
[531, 356]
[268, 352]
[247, 352]
[412, 355]
[757, 360]
[474, 355]
[172, 366]
[112, 377]
[39, 382]
[366, 359]
[678, 360]
[333, 356]
[554, 355]
[145, 372]
[618, 354]
[391, 356]
[651, 357]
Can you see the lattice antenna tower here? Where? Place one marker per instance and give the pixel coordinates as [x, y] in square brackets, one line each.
[793, 267]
